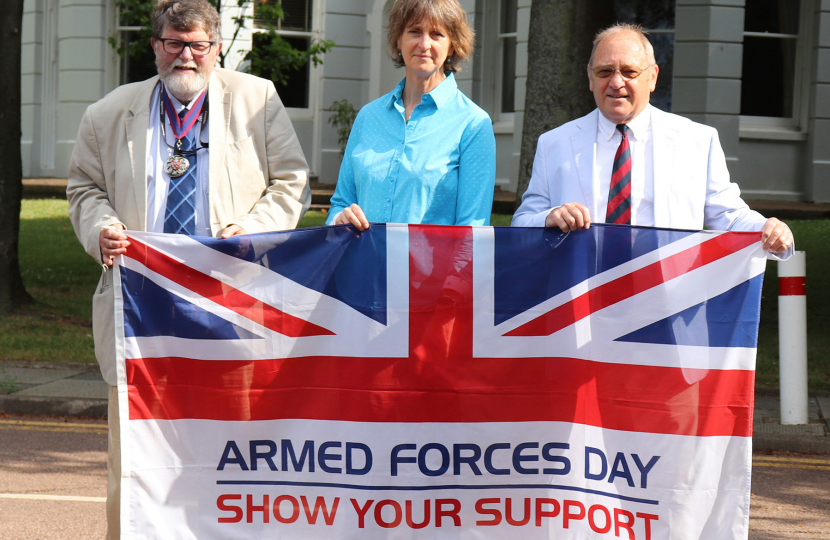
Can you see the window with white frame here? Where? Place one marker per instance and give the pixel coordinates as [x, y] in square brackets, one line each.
[496, 67]
[773, 70]
[506, 80]
[137, 62]
[296, 28]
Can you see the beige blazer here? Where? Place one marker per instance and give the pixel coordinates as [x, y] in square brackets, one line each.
[258, 174]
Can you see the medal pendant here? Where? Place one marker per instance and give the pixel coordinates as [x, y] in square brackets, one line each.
[176, 165]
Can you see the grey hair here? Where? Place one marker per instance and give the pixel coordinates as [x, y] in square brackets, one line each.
[186, 15]
[624, 27]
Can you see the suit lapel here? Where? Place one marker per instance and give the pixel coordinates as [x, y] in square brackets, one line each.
[219, 99]
[582, 143]
[137, 126]
[663, 142]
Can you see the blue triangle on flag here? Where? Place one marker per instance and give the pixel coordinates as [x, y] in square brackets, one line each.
[534, 265]
[151, 310]
[727, 320]
[335, 261]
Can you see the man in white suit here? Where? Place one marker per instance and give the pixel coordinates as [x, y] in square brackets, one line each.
[627, 162]
[195, 150]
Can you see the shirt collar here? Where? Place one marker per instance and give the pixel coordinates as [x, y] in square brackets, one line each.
[637, 127]
[439, 95]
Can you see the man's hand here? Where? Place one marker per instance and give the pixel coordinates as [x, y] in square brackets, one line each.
[113, 242]
[776, 236]
[231, 230]
[352, 215]
[569, 217]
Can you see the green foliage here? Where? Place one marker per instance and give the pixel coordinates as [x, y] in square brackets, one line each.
[273, 57]
[8, 383]
[276, 59]
[133, 13]
[342, 119]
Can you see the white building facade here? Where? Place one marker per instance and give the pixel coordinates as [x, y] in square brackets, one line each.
[757, 70]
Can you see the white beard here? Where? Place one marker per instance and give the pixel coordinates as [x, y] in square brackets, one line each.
[185, 85]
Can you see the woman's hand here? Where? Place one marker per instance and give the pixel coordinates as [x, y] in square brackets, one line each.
[352, 215]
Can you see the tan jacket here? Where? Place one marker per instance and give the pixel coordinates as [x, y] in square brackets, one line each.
[258, 174]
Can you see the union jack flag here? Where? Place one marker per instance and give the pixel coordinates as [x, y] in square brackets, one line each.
[595, 383]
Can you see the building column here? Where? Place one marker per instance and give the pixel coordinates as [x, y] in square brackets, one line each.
[818, 151]
[706, 86]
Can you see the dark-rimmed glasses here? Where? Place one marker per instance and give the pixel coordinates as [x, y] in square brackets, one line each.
[627, 73]
[176, 46]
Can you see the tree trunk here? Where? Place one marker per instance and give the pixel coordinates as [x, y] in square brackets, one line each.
[12, 292]
[559, 47]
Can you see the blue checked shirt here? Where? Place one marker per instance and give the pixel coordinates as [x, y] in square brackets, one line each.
[438, 168]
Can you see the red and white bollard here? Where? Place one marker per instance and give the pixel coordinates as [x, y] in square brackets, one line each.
[792, 338]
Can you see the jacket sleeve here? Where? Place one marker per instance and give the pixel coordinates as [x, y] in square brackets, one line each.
[90, 206]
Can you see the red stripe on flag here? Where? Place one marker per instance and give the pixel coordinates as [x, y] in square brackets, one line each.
[223, 294]
[636, 282]
[622, 397]
[792, 286]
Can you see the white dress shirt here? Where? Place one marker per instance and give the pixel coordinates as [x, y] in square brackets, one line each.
[158, 181]
[642, 166]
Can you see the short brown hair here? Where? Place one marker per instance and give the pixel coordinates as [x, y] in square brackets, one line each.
[185, 15]
[624, 27]
[447, 13]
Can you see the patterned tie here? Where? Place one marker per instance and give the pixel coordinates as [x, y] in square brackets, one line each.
[180, 217]
[619, 197]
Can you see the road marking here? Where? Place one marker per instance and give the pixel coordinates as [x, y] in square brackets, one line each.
[66, 498]
[53, 426]
[791, 460]
[789, 466]
[783, 462]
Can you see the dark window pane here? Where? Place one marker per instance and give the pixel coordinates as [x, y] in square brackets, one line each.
[296, 15]
[508, 16]
[773, 16]
[141, 64]
[664, 54]
[648, 13]
[767, 77]
[508, 75]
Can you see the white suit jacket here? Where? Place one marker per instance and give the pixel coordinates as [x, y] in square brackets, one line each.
[691, 182]
[258, 174]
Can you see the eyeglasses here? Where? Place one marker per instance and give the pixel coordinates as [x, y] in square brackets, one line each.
[627, 73]
[176, 46]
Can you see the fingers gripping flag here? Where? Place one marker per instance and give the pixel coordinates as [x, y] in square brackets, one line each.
[438, 382]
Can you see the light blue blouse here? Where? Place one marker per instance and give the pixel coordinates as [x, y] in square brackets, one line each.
[438, 168]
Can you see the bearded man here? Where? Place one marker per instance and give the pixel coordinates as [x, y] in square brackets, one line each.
[196, 150]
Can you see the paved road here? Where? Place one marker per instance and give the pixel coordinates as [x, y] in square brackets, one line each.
[790, 497]
[53, 484]
[53, 478]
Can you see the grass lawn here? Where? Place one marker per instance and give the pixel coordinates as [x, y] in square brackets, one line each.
[62, 278]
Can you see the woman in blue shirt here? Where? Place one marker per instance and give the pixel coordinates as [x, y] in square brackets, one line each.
[424, 153]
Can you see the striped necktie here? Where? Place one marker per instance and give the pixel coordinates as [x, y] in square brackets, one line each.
[180, 217]
[619, 196]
